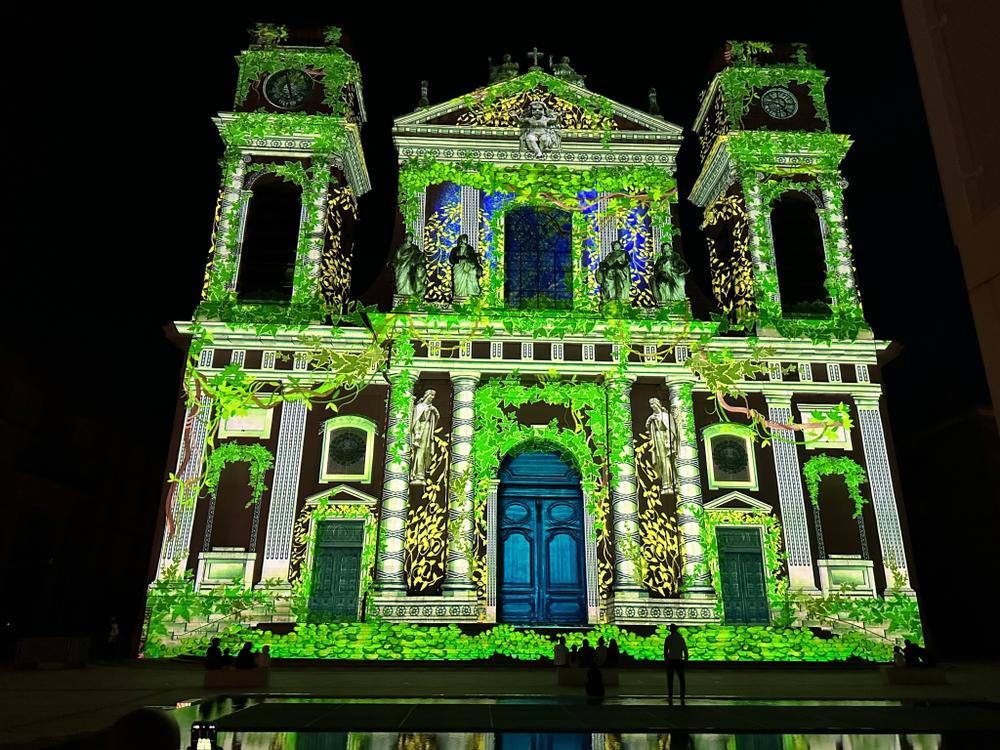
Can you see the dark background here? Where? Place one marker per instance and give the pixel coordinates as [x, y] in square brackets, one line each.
[113, 181]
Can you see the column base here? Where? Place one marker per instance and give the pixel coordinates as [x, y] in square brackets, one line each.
[425, 609]
[647, 611]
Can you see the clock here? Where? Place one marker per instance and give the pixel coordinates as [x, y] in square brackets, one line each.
[287, 89]
[779, 103]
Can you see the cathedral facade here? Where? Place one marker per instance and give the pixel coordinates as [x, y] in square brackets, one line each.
[528, 421]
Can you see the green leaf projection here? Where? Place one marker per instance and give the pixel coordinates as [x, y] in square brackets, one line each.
[853, 473]
[563, 362]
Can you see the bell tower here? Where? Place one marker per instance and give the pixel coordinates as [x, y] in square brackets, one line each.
[772, 194]
[292, 170]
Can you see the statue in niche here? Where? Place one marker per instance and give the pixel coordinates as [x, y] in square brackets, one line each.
[423, 423]
[465, 269]
[540, 129]
[663, 432]
[614, 274]
[669, 270]
[409, 268]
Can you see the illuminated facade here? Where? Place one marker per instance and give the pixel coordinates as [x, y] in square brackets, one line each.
[532, 428]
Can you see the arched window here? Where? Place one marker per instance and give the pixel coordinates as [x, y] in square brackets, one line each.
[538, 262]
[799, 255]
[270, 238]
[348, 449]
[729, 450]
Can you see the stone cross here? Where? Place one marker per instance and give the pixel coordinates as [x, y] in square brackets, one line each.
[534, 55]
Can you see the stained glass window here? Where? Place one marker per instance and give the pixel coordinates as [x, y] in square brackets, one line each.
[538, 259]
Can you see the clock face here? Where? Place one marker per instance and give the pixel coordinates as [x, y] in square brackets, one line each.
[287, 89]
[779, 103]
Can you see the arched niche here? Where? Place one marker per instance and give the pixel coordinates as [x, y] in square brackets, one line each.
[799, 255]
[270, 240]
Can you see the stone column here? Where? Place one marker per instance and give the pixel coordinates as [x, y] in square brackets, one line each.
[391, 578]
[801, 576]
[890, 535]
[284, 492]
[461, 529]
[696, 582]
[231, 208]
[624, 489]
[177, 546]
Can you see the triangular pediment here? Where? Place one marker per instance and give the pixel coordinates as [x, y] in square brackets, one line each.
[738, 501]
[500, 105]
[342, 494]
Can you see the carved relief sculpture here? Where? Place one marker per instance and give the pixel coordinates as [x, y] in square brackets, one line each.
[540, 129]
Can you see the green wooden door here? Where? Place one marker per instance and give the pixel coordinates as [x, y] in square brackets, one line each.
[741, 568]
[336, 572]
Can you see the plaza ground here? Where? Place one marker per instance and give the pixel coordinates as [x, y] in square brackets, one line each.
[37, 707]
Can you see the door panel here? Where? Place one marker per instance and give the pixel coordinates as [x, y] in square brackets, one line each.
[542, 573]
[336, 572]
[741, 568]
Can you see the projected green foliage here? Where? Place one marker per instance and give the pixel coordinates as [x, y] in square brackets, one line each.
[391, 641]
[853, 473]
[260, 459]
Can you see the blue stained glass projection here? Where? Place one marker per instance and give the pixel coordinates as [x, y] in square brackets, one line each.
[442, 228]
[636, 236]
[538, 260]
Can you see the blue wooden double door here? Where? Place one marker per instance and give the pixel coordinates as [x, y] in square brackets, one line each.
[542, 570]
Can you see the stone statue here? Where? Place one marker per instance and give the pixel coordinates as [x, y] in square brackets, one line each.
[540, 129]
[424, 101]
[669, 270]
[504, 71]
[564, 70]
[663, 432]
[423, 423]
[614, 274]
[409, 267]
[654, 105]
[465, 269]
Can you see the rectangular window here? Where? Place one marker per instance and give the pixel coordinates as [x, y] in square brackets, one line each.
[816, 438]
[267, 361]
[557, 352]
[588, 352]
[833, 373]
[805, 372]
[348, 449]
[527, 350]
[496, 350]
[255, 423]
[434, 349]
[731, 460]
[538, 260]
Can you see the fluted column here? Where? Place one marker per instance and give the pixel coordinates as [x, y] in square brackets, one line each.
[790, 496]
[391, 577]
[695, 582]
[461, 529]
[890, 535]
[624, 488]
[177, 546]
[285, 491]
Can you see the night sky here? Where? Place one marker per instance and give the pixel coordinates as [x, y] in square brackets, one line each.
[117, 177]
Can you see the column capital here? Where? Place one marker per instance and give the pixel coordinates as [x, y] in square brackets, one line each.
[777, 399]
[457, 375]
[674, 381]
[867, 401]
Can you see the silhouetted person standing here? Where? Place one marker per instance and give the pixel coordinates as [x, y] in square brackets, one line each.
[595, 683]
[560, 654]
[587, 654]
[613, 654]
[213, 656]
[675, 654]
[245, 658]
[601, 653]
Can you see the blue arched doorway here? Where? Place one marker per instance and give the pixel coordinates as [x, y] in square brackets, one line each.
[542, 571]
